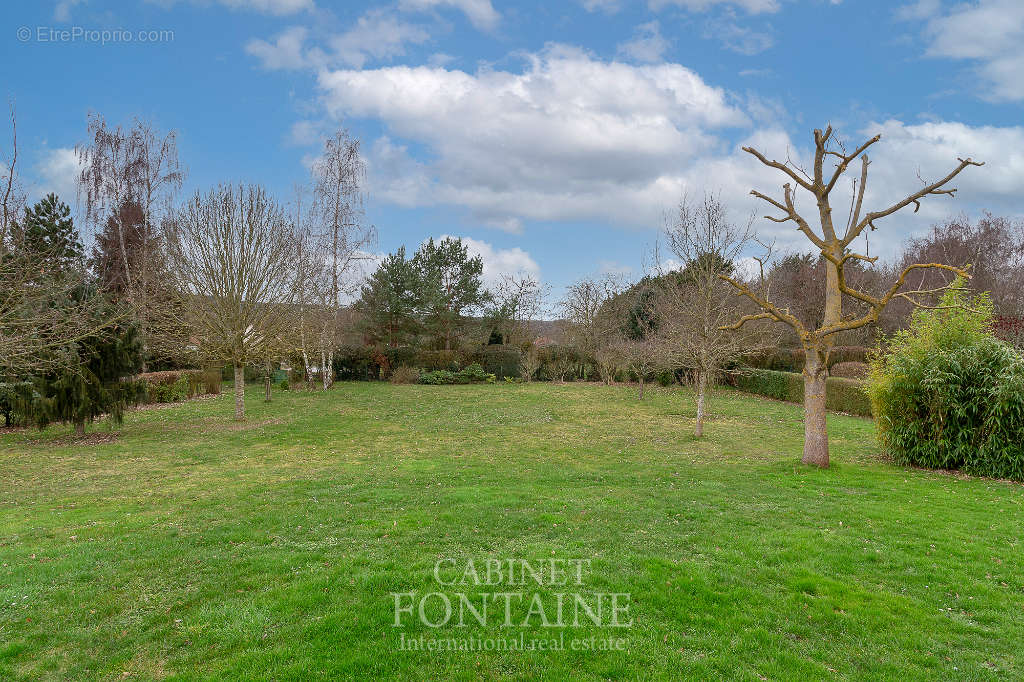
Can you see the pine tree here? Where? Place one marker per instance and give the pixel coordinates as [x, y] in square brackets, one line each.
[389, 301]
[48, 233]
[450, 285]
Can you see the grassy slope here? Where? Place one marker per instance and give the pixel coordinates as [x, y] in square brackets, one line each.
[194, 547]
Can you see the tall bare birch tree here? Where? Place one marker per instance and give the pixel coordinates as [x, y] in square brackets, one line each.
[340, 234]
[231, 253]
[833, 241]
[126, 171]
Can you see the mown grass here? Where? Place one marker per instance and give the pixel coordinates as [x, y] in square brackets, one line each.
[189, 547]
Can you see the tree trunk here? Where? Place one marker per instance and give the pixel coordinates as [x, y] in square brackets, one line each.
[323, 368]
[702, 383]
[266, 384]
[239, 392]
[641, 397]
[815, 431]
[80, 428]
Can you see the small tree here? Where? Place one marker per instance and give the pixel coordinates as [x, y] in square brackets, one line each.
[834, 245]
[518, 300]
[640, 357]
[232, 258]
[592, 320]
[693, 305]
[90, 379]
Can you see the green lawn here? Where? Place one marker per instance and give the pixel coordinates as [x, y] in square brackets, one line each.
[186, 546]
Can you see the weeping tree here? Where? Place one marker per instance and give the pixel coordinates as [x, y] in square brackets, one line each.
[232, 257]
[833, 241]
[128, 179]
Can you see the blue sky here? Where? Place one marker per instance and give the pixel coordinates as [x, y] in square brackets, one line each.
[553, 135]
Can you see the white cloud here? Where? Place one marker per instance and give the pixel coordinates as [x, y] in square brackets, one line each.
[58, 172]
[277, 7]
[274, 7]
[376, 34]
[498, 262]
[62, 11]
[741, 39]
[284, 53]
[988, 32]
[647, 45]
[569, 137]
[750, 6]
[606, 6]
[479, 12]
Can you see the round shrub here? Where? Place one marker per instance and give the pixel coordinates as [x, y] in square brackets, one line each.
[950, 395]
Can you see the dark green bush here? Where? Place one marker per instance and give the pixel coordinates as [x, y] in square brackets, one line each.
[401, 356]
[283, 385]
[950, 395]
[842, 395]
[357, 363]
[432, 360]
[437, 377]
[472, 374]
[11, 394]
[502, 361]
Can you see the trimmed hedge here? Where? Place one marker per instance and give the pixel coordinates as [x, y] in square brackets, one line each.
[501, 361]
[174, 385]
[842, 395]
[792, 359]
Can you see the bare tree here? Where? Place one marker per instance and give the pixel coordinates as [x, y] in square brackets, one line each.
[834, 246]
[693, 305]
[43, 310]
[638, 356]
[12, 196]
[340, 234]
[128, 172]
[590, 321]
[232, 256]
[518, 300]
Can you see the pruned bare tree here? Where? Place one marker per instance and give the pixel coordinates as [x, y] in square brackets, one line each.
[128, 180]
[232, 256]
[693, 304]
[833, 242]
[340, 235]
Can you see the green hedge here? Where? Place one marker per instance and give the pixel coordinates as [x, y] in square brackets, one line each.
[842, 395]
[792, 359]
[501, 361]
